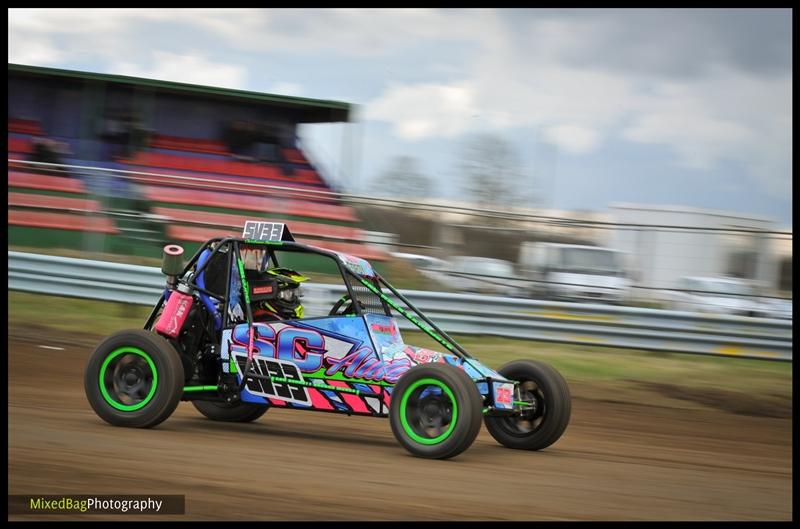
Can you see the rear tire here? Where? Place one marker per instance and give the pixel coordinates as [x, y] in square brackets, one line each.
[435, 411]
[134, 378]
[230, 412]
[544, 426]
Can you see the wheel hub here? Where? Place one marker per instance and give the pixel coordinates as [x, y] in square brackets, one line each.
[130, 379]
[434, 411]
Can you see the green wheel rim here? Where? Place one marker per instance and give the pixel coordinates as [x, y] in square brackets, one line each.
[121, 351]
[404, 419]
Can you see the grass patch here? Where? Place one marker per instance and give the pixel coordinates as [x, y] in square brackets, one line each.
[72, 314]
[593, 363]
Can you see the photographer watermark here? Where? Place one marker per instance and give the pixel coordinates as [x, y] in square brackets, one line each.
[96, 504]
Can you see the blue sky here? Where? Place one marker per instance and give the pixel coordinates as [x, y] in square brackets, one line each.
[671, 107]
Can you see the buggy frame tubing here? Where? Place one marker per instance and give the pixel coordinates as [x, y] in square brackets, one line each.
[236, 243]
[186, 268]
[443, 338]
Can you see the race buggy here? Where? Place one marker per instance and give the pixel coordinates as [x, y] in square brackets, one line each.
[229, 335]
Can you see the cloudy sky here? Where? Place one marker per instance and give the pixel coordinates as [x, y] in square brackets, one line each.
[674, 107]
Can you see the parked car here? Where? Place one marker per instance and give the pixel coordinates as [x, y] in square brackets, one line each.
[571, 272]
[779, 308]
[717, 295]
[484, 275]
[422, 262]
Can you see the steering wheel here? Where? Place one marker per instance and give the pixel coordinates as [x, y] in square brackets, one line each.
[344, 306]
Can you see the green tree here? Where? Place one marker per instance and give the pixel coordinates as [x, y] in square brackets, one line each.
[491, 171]
[402, 178]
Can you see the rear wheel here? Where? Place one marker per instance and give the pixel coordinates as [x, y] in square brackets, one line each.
[230, 411]
[134, 378]
[435, 411]
[544, 420]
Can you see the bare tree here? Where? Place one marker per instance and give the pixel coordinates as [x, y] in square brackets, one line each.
[402, 178]
[491, 171]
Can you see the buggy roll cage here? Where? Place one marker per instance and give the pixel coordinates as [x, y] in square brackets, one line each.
[216, 244]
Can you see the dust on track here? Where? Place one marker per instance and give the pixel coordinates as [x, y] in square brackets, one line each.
[616, 461]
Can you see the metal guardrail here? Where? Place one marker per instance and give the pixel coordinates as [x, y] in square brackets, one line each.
[570, 323]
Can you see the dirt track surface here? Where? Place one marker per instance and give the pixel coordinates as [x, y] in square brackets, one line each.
[616, 461]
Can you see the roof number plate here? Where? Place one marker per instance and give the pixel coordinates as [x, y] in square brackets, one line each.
[263, 231]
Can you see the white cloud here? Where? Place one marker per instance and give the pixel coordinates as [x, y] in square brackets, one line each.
[25, 50]
[426, 110]
[574, 139]
[726, 117]
[525, 69]
[723, 115]
[194, 69]
[289, 89]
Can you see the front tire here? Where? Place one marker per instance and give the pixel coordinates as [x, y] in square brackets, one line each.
[134, 378]
[543, 425]
[435, 411]
[230, 412]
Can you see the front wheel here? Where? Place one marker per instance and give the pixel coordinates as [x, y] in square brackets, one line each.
[543, 420]
[230, 411]
[134, 378]
[435, 411]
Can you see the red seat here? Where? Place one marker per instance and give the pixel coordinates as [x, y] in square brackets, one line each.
[24, 126]
[307, 175]
[294, 156]
[31, 200]
[46, 182]
[188, 144]
[20, 145]
[200, 234]
[311, 229]
[213, 166]
[61, 221]
[299, 208]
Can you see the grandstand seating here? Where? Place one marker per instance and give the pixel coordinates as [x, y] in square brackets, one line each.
[24, 126]
[220, 166]
[188, 145]
[188, 216]
[299, 208]
[58, 202]
[294, 156]
[62, 184]
[201, 234]
[33, 200]
[61, 221]
[20, 145]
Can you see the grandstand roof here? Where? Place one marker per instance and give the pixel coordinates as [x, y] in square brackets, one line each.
[306, 110]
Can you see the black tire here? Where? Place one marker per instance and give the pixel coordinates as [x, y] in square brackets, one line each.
[539, 429]
[409, 410]
[230, 412]
[130, 393]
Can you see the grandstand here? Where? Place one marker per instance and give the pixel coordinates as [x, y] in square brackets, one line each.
[174, 175]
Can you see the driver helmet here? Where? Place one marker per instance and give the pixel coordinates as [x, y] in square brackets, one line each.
[285, 302]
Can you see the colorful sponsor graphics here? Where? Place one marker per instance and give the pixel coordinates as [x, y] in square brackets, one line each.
[356, 265]
[330, 363]
[279, 384]
[424, 356]
[384, 330]
[504, 396]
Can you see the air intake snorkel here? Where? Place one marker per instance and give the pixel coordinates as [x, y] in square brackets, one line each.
[172, 264]
[179, 299]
